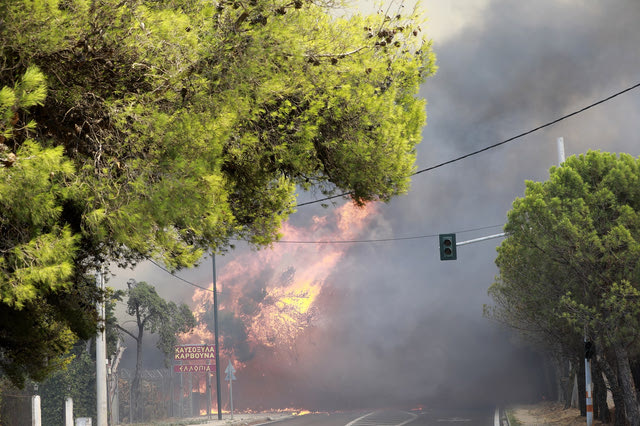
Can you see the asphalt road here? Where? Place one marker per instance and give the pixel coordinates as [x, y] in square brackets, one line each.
[440, 417]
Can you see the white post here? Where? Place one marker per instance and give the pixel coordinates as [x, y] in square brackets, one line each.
[588, 385]
[68, 411]
[36, 417]
[101, 362]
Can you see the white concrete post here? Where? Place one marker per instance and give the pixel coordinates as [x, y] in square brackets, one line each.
[36, 416]
[68, 411]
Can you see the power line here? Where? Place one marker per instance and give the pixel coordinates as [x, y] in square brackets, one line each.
[462, 157]
[328, 242]
[495, 145]
[379, 240]
[550, 123]
[180, 278]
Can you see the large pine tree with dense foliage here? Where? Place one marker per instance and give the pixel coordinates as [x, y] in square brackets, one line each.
[135, 129]
[570, 267]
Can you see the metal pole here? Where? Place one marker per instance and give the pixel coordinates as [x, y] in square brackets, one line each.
[190, 393]
[215, 325]
[475, 240]
[231, 396]
[101, 360]
[208, 393]
[588, 385]
[172, 393]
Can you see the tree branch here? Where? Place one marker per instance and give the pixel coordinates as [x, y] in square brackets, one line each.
[336, 55]
[126, 331]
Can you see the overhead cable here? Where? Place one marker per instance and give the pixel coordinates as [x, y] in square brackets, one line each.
[495, 145]
[378, 240]
[180, 278]
[326, 242]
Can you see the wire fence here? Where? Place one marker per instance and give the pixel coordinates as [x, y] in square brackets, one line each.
[15, 409]
[164, 394]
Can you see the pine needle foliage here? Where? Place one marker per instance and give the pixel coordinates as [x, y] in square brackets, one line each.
[134, 129]
[570, 269]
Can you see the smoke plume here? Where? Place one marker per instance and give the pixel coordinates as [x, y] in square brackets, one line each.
[390, 324]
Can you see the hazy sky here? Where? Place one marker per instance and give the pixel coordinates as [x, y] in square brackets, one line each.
[398, 325]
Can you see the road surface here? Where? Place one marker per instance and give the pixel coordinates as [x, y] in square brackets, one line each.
[440, 417]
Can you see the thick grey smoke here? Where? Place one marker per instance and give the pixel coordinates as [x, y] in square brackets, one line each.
[399, 326]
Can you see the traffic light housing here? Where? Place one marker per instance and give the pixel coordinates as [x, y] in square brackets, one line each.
[448, 247]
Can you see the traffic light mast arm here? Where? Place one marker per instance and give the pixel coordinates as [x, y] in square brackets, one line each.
[476, 240]
[448, 244]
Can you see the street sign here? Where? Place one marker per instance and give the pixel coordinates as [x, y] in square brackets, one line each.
[193, 352]
[193, 368]
[230, 370]
[230, 378]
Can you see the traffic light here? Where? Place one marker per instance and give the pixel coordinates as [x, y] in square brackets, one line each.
[448, 247]
[589, 350]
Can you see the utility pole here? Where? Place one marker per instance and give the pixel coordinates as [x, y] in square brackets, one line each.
[587, 362]
[560, 146]
[101, 358]
[587, 377]
[215, 327]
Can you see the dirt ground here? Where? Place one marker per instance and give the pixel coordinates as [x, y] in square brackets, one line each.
[549, 413]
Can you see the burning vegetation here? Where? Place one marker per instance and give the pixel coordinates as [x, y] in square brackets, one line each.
[270, 303]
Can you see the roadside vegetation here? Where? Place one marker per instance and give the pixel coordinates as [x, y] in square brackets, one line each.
[570, 271]
[134, 130]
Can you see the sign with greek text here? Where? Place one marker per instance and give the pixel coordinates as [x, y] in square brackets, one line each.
[194, 352]
[191, 368]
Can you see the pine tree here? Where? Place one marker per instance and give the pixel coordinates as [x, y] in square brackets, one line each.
[569, 266]
[134, 130]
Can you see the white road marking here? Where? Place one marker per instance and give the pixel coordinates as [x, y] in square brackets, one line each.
[351, 423]
[370, 420]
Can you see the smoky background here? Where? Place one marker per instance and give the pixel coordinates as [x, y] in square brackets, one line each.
[395, 325]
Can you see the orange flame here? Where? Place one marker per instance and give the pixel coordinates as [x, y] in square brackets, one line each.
[274, 291]
[290, 299]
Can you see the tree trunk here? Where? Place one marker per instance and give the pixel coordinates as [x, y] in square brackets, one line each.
[582, 390]
[632, 409]
[557, 368]
[600, 407]
[550, 382]
[616, 392]
[563, 380]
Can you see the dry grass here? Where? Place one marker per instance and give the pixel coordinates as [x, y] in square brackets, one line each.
[549, 413]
